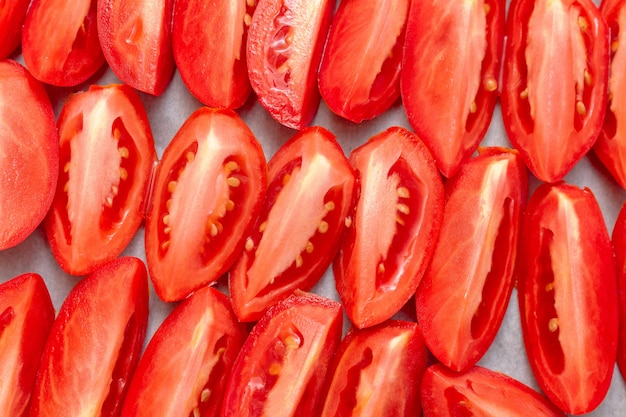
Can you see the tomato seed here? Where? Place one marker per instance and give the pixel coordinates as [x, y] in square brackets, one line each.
[553, 324]
[322, 227]
[233, 182]
[403, 208]
[204, 395]
[124, 153]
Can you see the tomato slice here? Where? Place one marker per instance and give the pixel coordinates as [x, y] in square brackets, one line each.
[359, 77]
[26, 316]
[450, 73]
[208, 192]
[209, 43]
[390, 357]
[555, 82]
[60, 43]
[285, 44]
[396, 216]
[186, 365]
[11, 22]
[136, 40]
[29, 160]
[619, 244]
[568, 296]
[480, 392]
[95, 343]
[107, 157]
[282, 366]
[298, 231]
[465, 292]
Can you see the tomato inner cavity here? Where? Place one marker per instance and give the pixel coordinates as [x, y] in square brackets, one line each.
[280, 49]
[211, 394]
[348, 396]
[6, 317]
[458, 404]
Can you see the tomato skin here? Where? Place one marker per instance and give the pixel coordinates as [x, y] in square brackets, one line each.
[555, 91]
[195, 237]
[568, 296]
[136, 38]
[480, 392]
[359, 77]
[209, 45]
[12, 18]
[462, 299]
[391, 357]
[396, 216]
[30, 153]
[26, 316]
[282, 366]
[94, 344]
[284, 50]
[298, 231]
[449, 83]
[187, 362]
[107, 157]
[618, 239]
[60, 42]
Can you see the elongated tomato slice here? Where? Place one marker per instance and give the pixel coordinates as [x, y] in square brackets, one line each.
[11, 22]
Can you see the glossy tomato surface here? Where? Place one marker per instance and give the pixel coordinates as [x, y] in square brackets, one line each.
[555, 82]
[281, 369]
[464, 294]
[450, 73]
[568, 296]
[106, 159]
[26, 316]
[208, 193]
[619, 246]
[94, 344]
[12, 16]
[298, 231]
[395, 222]
[285, 44]
[29, 161]
[359, 77]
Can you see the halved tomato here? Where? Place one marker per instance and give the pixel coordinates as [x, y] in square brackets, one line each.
[29, 160]
[12, 15]
[107, 158]
[396, 216]
[619, 246]
[298, 231]
[208, 192]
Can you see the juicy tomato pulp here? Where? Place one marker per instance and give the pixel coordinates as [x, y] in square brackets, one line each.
[298, 231]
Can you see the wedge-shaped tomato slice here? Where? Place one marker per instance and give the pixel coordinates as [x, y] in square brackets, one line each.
[282, 366]
[26, 316]
[209, 41]
[465, 292]
[285, 44]
[377, 372]
[450, 72]
[94, 344]
[29, 160]
[619, 246]
[555, 82]
[136, 38]
[107, 158]
[186, 365]
[480, 392]
[396, 218]
[359, 76]
[60, 42]
[208, 192]
[299, 229]
[12, 17]
[568, 296]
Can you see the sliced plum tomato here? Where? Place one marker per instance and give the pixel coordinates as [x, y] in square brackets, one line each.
[390, 357]
[568, 296]
[26, 316]
[60, 42]
[285, 44]
[136, 38]
[619, 246]
[298, 231]
[450, 73]
[396, 217]
[282, 366]
[186, 365]
[359, 77]
[94, 344]
[464, 294]
[555, 82]
[12, 15]
[209, 41]
[29, 160]
[208, 193]
[107, 157]
[480, 392]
